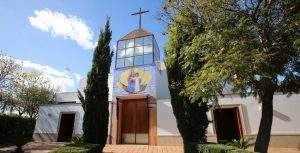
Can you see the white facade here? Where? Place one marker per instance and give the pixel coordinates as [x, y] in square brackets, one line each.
[48, 120]
[285, 119]
[286, 122]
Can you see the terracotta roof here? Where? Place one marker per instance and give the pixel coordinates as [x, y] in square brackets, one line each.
[136, 33]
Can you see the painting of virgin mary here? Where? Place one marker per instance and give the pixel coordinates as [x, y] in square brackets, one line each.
[134, 80]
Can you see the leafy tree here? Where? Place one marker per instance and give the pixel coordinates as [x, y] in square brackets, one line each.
[251, 46]
[95, 99]
[20, 91]
[191, 117]
[30, 91]
[8, 71]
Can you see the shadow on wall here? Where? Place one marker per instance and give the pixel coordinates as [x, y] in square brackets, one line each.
[45, 137]
[166, 118]
[48, 120]
[246, 119]
[281, 116]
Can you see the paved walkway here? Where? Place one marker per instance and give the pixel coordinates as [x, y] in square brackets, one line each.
[44, 147]
[170, 149]
[34, 147]
[141, 149]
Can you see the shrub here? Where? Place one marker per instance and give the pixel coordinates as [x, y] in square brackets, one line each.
[76, 141]
[79, 148]
[244, 143]
[219, 148]
[16, 129]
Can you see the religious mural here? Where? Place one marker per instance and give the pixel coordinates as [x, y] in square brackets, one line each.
[136, 80]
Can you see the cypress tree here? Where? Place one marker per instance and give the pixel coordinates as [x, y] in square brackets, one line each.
[95, 102]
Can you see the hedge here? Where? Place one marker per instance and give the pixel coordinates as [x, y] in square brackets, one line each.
[220, 148]
[79, 148]
[14, 128]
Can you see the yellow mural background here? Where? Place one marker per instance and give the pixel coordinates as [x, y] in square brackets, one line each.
[123, 79]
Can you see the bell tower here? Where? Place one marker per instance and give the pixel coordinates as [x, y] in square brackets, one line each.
[136, 61]
[135, 87]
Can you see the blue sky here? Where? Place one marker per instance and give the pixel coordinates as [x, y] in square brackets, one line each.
[57, 37]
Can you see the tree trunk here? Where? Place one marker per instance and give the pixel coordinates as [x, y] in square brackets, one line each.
[264, 133]
[191, 121]
[190, 147]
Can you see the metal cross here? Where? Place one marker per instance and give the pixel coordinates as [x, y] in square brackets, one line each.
[140, 16]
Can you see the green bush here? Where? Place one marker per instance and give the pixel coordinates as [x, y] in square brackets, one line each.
[220, 148]
[79, 148]
[76, 141]
[16, 129]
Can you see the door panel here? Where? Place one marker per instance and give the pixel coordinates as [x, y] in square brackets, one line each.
[135, 122]
[141, 138]
[128, 117]
[141, 117]
[128, 138]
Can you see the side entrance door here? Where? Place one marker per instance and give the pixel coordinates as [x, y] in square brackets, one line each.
[66, 127]
[135, 121]
[228, 125]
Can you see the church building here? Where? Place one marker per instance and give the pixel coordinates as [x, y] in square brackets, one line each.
[140, 107]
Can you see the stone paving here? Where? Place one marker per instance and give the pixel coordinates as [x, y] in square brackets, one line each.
[45, 147]
[141, 149]
[170, 149]
[34, 147]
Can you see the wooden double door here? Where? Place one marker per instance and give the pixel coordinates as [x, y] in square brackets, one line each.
[135, 122]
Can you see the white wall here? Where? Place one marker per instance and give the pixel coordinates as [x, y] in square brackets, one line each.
[67, 97]
[285, 120]
[166, 122]
[49, 118]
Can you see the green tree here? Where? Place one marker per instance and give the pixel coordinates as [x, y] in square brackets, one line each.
[30, 91]
[8, 72]
[251, 46]
[191, 117]
[95, 100]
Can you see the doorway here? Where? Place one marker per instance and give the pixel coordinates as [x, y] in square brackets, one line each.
[228, 125]
[66, 127]
[134, 124]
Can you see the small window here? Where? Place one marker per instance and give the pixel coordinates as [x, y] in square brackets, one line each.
[129, 61]
[129, 52]
[121, 44]
[121, 53]
[148, 58]
[148, 40]
[120, 63]
[148, 49]
[138, 60]
[139, 50]
[139, 41]
[129, 43]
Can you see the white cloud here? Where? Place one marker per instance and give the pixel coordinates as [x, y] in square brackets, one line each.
[66, 26]
[62, 79]
[78, 76]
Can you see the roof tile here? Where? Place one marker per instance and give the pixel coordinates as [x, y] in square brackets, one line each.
[136, 33]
